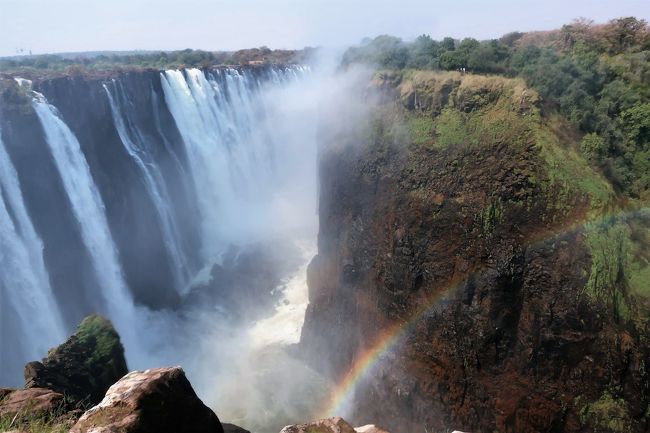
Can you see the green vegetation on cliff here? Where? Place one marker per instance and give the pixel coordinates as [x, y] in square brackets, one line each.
[595, 76]
[606, 414]
[620, 265]
[442, 110]
[84, 366]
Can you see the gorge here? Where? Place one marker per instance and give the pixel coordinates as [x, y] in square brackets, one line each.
[386, 238]
[111, 186]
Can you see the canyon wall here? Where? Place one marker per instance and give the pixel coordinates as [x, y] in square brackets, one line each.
[459, 219]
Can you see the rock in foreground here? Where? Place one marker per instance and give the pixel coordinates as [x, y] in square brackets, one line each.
[84, 366]
[29, 402]
[159, 400]
[331, 425]
[232, 428]
[369, 428]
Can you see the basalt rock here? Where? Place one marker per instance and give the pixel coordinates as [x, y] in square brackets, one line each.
[159, 400]
[83, 367]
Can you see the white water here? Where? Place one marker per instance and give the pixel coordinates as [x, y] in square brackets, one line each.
[250, 156]
[231, 151]
[135, 145]
[88, 208]
[24, 280]
[285, 325]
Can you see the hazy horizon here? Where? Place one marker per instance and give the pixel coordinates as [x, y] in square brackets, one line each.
[68, 26]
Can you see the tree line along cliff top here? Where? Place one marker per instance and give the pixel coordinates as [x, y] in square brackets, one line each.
[595, 76]
[46, 65]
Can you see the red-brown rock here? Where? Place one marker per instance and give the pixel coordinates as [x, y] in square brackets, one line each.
[159, 400]
[31, 402]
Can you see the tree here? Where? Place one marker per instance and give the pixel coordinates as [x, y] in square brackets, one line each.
[593, 147]
[623, 33]
[424, 53]
[448, 44]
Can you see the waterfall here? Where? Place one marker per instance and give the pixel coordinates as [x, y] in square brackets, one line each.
[136, 146]
[88, 208]
[24, 281]
[153, 171]
[230, 148]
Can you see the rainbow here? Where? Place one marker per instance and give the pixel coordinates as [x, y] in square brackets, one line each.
[340, 400]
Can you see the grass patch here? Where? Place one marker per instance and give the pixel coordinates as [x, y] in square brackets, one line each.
[450, 129]
[565, 167]
[607, 413]
[35, 425]
[57, 421]
[421, 129]
[620, 265]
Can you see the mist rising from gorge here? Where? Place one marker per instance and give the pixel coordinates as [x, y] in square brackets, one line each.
[211, 175]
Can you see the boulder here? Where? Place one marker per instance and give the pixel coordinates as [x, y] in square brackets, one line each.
[329, 425]
[369, 428]
[232, 428]
[83, 367]
[159, 400]
[33, 402]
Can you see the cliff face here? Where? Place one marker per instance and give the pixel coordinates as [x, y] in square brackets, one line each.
[83, 106]
[459, 215]
[82, 103]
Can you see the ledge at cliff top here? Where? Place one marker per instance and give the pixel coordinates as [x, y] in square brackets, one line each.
[158, 400]
[83, 367]
[331, 425]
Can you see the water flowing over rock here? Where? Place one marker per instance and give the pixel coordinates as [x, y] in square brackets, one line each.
[88, 208]
[120, 191]
[159, 400]
[25, 288]
[83, 367]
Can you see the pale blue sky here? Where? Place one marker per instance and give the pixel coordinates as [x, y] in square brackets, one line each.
[88, 25]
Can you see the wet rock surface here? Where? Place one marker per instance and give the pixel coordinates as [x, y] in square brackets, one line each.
[158, 400]
[83, 367]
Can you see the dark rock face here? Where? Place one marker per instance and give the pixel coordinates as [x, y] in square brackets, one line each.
[232, 428]
[243, 284]
[83, 367]
[84, 106]
[69, 267]
[501, 334]
[159, 400]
